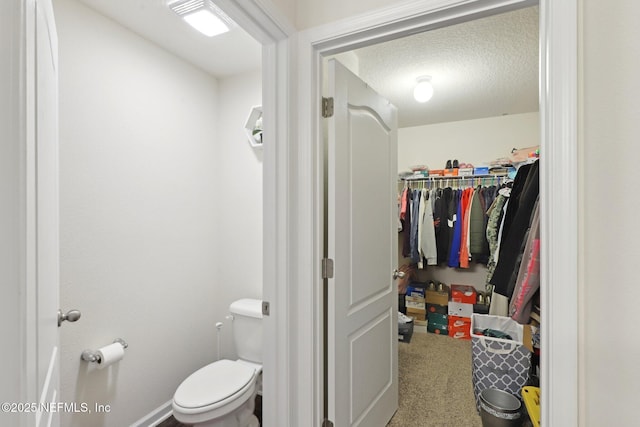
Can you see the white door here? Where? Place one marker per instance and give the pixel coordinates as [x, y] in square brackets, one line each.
[46, 213]
[362, 336]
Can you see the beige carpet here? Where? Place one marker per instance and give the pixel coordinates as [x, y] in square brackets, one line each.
[435, 383]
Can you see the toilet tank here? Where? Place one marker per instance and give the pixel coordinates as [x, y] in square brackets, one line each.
[247, 329]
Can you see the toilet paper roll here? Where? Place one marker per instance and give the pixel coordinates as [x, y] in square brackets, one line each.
[110, 354]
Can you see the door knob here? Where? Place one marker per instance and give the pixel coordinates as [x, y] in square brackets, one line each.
[398, 274]
[71, 316]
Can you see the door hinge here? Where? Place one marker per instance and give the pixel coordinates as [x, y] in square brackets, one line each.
[327, 423]
[327, 107]
[265, 308]
[327, 268]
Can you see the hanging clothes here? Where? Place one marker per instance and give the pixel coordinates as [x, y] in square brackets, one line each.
[428, 249]
[441, 224]
[478, 244]
[466, 199]
[421, 225]
[520, 210]
[403, 203]
[514, 199]
[495, 214]
[528, 280]
[406, 227]
[415, 210]
[445, 225]
[454, 253]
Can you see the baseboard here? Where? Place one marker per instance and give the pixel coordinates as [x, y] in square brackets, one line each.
[155, 417]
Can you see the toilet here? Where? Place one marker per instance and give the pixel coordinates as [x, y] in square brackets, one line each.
[222, 394]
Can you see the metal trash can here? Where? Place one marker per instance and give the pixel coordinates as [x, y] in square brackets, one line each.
[500, 409]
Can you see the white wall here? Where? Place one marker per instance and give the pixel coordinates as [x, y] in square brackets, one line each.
[610, 378]
[146, 156]
[288, 8]
[238, 199]
[311, 13]
[470, 141]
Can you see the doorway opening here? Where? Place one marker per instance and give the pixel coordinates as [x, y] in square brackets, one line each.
[153, 136]
[558, 145]
[485, 78]
[485, 104]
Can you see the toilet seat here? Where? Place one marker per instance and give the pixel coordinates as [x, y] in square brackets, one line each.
[214, 386]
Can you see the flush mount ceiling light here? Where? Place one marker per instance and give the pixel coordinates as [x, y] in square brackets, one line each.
[202, 15]
[423, 90]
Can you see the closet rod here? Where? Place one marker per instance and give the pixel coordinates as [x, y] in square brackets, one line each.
[438, 178]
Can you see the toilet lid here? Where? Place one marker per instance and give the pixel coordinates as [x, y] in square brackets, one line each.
[213, 383]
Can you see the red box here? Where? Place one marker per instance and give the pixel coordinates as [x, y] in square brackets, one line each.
[460, 335]
[463, 293]
[459, 327]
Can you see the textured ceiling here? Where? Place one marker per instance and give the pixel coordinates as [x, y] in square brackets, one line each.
[230, 53]
[482, 68]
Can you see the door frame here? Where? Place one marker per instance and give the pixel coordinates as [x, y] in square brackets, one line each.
[559, 184]
[19, 244]
[267, 25]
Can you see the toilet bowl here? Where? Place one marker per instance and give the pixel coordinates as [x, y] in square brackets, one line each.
[222, 394]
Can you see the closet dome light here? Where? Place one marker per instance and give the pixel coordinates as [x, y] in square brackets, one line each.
[203, 15]
[423, 90]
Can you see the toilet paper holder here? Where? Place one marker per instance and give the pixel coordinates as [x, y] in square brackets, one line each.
[93, 356]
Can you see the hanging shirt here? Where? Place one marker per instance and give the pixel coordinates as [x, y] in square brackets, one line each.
[512, 246]
[421, 210]
[493, 225]
[478, 245]
[415, 208]
[467, 197]
[454, 252]
[440, 222]
[528, 280]
[403, 203]
[406, 228]
[428, 248]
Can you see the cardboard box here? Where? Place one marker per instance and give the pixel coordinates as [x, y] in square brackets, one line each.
[460, 309]
[463, 293]
[450, 172]
[441, 319]
[414, 302]
[465, 171]
[459, 327]
[438, 329]
[482, 170]
[457, 321]
[437, 308]
[417, 313]
[527, 333]
[415, 291]
[460, 335]
[437, 297]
